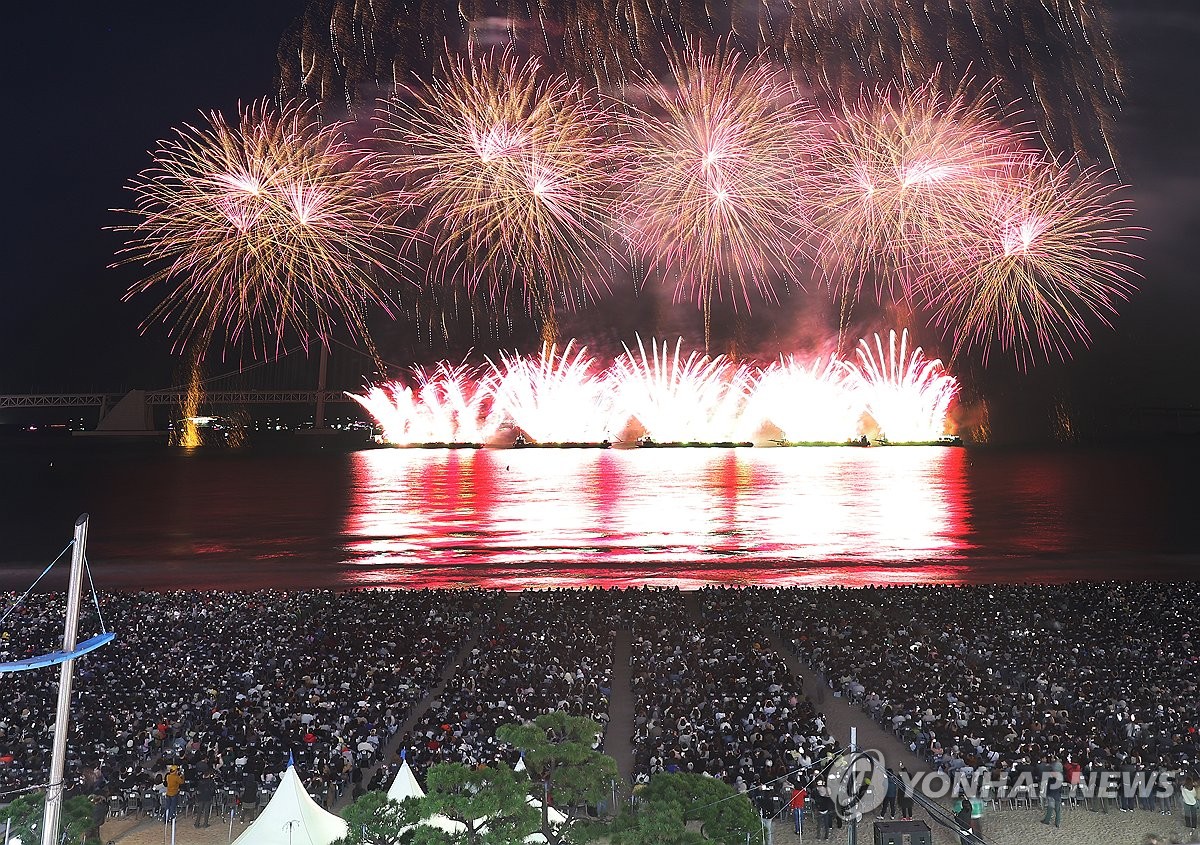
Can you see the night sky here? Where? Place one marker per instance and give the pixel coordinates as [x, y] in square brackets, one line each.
[91, 90]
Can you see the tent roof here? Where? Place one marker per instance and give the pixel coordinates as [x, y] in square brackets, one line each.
[405, 785]
[292, 817]
[556, 817]
[442, 823]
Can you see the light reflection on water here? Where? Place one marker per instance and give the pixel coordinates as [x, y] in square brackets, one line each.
[288, 518]
[558, 517]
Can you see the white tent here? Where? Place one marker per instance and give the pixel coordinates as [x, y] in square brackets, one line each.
[405, 785]
[292, 817]
[441, 823]
[556, 818]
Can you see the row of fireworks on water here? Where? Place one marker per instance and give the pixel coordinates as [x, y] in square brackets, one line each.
[721, 182]
[888, 389]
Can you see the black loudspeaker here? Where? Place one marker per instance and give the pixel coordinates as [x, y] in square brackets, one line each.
[902, 833]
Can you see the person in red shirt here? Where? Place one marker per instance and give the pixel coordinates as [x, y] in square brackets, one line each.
[799, 794]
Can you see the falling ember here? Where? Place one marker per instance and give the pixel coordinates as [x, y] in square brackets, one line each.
[906, 393]
[678, 399]
[189, 435]
[1056, 55]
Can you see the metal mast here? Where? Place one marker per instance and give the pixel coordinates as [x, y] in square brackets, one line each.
[54, 791]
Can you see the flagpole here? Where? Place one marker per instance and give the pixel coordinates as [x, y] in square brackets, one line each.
[58, 759]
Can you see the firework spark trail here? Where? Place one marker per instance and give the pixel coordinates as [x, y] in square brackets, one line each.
[906, 393]
[677, 399]
[901, 169]
[557, 397]
[1048, 252]
[565, 397]
[1054, 55]
[272, 222]
[808, 403]
[506, 169]
[448, 405]
[715, 173]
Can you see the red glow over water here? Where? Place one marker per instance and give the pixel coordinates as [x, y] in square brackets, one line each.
[253, 519]
[684, 517]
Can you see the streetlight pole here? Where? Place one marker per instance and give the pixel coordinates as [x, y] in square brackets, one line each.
[62, 721]
[852, 832]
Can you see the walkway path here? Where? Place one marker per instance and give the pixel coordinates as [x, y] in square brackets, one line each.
[618, 741]
[841, 715]
[451, 669]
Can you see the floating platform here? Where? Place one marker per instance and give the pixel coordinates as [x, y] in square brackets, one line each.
[678, 444]
[436, 445]
[583, 444]
[862, 443]
[944, 440]
[800, 444]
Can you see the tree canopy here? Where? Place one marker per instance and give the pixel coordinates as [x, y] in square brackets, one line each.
[462, 806]
[560, 752]
[655, 823]
[28, 812]
[724, 815]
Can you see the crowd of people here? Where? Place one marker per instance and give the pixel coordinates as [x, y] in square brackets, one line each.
[1003, 678]
[713, 697]
[551, 652]
[226, 686]
[228, 683]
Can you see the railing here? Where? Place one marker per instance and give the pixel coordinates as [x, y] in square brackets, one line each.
[172, 397]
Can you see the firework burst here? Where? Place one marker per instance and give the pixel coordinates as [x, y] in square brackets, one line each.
[505, 169]
[556, 397]
[447, 405]
[678, 399]
[906, 393]
[715, 169]
[808, 402]
[260, 229]
[901, 169]
[1048, 253]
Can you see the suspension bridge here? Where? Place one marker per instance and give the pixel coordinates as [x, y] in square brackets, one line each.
[135, 411]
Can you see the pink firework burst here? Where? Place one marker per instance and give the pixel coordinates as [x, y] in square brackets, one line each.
[505, 168]
[258, 229]
[716, 167]
[1047, 254]
[902, 167]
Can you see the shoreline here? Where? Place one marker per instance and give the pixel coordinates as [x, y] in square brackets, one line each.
[287, 574]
